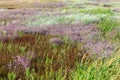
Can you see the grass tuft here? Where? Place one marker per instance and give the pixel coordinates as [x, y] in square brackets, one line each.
[108, 24]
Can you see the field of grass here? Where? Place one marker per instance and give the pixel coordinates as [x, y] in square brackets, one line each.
[59, 40]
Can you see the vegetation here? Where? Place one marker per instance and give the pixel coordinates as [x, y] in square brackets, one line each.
[60, 41]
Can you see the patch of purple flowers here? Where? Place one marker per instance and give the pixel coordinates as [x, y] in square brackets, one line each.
[57, 41]
[22, 62]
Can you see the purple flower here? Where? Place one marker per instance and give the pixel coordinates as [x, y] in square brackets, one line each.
[22, 61]
[56, 41]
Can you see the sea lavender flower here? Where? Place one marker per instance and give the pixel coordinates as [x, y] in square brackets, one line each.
[57, 41]
[22, 61]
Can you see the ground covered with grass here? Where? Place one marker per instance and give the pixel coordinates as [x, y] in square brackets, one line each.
[64, 40]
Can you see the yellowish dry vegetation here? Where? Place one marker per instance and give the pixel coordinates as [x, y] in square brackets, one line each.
[11, 4]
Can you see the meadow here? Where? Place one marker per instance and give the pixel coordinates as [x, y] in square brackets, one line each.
[60, 40]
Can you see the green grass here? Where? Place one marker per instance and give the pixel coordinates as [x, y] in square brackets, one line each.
[101, 69]
[107, 24]
[99, 10]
